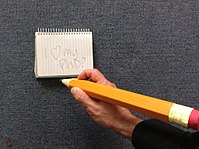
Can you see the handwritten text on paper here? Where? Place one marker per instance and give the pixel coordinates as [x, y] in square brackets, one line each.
[66, 58]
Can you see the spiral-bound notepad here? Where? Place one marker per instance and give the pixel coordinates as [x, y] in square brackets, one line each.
[62, 52]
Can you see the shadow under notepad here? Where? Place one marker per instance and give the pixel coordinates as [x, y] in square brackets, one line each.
[50, 83]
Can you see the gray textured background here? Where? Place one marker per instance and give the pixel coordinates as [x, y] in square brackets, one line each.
[150, 47]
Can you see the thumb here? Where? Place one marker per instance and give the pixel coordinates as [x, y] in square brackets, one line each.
[82, 97]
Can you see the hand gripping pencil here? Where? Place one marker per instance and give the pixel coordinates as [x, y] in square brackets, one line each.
[157, 108]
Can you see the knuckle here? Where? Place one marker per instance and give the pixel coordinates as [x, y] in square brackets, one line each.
[93, 111]
[79, 97]
[113, 85]
[108, 83]
[96, 71]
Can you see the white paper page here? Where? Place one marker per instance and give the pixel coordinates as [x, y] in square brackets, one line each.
[63, 54]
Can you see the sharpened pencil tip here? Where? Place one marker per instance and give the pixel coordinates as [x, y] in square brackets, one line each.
[66, 82]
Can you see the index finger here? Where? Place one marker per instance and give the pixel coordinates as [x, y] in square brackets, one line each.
[92, 74]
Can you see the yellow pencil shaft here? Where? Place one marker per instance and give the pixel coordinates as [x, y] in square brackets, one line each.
[140, 103]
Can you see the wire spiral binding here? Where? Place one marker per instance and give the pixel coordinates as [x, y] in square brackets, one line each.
[62, 31]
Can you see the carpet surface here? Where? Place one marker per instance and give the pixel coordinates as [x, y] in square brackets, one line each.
[146, 46]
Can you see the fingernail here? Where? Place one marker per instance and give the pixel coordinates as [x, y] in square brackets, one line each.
[73, 90]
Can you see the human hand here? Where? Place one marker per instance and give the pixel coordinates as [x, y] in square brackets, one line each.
[110, 116]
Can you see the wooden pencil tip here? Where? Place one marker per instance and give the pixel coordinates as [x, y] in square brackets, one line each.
[66, 82]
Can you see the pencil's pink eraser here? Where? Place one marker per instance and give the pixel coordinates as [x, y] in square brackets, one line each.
[194, 120]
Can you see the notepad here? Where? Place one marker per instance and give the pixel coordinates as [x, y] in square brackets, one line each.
[62, 52]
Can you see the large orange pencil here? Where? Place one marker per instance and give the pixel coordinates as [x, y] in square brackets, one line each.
[157, 108]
